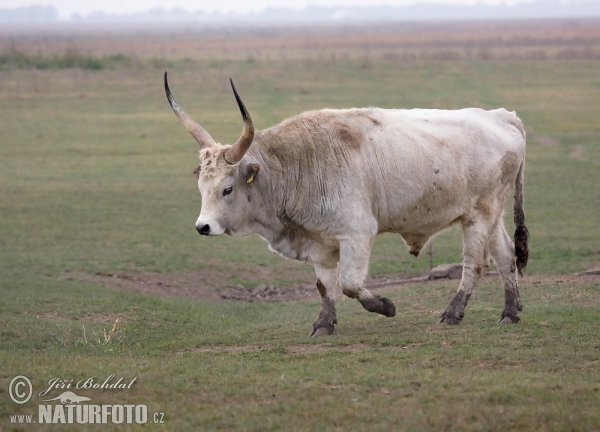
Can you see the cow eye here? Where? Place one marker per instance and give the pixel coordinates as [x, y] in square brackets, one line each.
[227, 191]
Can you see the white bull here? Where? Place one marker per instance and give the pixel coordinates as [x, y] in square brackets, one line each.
[320, 186]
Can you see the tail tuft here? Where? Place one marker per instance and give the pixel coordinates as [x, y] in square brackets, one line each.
[521, 232]
[521, 248]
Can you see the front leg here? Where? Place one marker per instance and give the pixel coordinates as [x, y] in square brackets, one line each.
[354, 265]
[325, 323]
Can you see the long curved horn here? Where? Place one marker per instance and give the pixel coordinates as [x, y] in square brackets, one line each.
[197, 131]
[236, 152]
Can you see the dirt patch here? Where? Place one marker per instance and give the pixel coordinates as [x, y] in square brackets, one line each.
[592, 272]
[180, 285]
[353, 348]
[300, 348]
[194, 285]
[52, 316]
[103, 318]
[199, 285]
[270, 293]
[577, 152]
[234, 349]
[545, 140]
[589, 276]
[97, 318]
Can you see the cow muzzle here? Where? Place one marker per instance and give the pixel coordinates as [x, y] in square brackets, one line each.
[204, 229]
[209, 227]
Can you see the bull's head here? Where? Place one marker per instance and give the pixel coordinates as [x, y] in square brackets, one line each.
[223, 179]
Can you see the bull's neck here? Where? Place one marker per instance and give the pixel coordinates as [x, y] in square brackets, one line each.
[271, 205]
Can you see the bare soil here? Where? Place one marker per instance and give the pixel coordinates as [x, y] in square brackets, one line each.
[94, 318]
[214, 286]
[194, 285]
[300, 348]
[577, 152]
[545, 140]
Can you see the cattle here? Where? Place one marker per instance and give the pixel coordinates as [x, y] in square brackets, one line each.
[319, 186]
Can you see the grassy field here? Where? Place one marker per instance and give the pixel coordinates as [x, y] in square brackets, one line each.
[96, 178]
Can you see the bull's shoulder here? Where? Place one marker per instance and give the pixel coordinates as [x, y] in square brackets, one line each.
[320, 129]
[329, 116]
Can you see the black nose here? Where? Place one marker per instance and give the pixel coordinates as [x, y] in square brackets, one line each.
[205, 230]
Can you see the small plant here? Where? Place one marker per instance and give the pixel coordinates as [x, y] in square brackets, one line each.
[111, 333]
[67, 337]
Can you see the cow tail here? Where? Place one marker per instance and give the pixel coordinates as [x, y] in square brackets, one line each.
[521, 232]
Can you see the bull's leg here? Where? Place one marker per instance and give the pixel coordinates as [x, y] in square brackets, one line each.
[353, 269]
[326, 284]
[503, 253]
[476, 235]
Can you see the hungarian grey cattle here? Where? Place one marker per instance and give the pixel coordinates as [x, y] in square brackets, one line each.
[318, 187]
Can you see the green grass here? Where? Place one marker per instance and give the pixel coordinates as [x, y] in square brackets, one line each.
[98, 161]
[70, 59]
[96, 176]
[540, 375]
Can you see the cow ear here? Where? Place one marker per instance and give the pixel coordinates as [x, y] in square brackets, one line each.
[250, 172]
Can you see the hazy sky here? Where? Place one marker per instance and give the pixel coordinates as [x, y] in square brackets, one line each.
[68, 7]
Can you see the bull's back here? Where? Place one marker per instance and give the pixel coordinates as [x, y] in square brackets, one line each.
[425, 167]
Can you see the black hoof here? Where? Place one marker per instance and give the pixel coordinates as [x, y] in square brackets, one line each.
[388, 308]
[508, 318]
[448, 318]
[320, 329]
[380, 305]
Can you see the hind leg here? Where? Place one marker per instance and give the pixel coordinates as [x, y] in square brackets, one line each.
[502, 250]
[476, 234]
